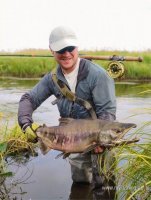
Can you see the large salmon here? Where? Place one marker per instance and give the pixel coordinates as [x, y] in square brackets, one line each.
[82, 135]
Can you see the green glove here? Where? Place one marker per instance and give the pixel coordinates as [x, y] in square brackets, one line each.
[30, 133]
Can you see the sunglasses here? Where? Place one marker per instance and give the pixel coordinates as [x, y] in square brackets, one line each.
[69, 49]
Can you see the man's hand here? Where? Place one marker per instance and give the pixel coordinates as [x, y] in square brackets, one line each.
[30, 132]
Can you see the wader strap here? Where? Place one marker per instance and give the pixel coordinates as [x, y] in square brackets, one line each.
[72, 97]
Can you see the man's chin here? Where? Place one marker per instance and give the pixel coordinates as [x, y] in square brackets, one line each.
[66, 65]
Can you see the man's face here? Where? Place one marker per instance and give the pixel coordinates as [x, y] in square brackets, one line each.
[67, 58]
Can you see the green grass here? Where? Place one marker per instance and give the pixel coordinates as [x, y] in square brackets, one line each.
[38, 66]
[13, 143]
[25, 67]
[15, 150]
[134, 175]
[133, 166]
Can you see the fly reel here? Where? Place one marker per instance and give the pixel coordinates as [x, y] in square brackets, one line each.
[115, 69]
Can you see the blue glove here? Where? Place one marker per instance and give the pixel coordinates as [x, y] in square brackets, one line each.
[29, 131]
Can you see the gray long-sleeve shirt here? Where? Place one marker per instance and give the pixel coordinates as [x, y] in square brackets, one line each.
[93, 85]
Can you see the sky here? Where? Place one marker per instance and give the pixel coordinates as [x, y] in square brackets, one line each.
[99, 24]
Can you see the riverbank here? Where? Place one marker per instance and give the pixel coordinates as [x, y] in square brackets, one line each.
[36, 67]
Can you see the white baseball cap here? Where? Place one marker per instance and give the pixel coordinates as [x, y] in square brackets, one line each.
[62, 37]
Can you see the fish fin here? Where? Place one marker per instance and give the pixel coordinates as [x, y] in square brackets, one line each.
[44, 149]
[65, 121]
[65, 155]
[90, 148]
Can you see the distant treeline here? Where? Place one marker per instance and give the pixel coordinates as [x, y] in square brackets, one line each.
[34, 67]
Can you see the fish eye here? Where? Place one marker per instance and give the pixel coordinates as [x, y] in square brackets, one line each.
[116, 130]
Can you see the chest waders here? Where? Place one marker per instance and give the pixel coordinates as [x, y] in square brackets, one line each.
[96, 159]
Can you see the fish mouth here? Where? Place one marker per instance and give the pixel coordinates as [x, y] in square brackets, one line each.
[127, 127]
[133, 125]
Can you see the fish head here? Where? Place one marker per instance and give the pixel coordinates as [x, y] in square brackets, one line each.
[120, 129]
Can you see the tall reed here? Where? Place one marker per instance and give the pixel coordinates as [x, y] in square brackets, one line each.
[133, 167]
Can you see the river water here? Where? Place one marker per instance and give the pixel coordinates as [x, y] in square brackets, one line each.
[44, 177]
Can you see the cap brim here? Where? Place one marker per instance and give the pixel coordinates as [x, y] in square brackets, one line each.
[57, 46]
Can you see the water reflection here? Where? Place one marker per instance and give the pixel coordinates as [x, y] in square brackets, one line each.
[43, 178]
[13, 83]
[11, 186]
[48, 178]
[133, 89]
[84, 191]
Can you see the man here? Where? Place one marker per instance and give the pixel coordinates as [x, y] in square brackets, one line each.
[87, 80]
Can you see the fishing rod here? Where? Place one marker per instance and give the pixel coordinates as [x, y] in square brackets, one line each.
[115, 68]
[114, 57]
[89, 57]
[24, 55]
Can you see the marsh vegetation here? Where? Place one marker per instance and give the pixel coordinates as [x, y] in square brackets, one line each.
[38, 66]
